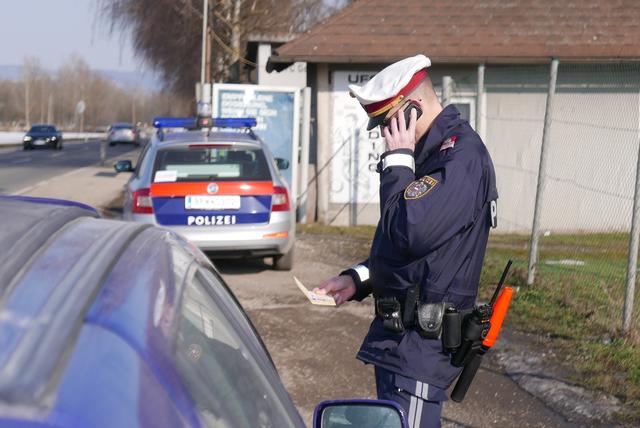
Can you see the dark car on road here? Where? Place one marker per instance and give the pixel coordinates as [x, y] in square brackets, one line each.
[107, 323]
[42, 136]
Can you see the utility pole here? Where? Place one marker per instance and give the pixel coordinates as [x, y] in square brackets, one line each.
[205, 26]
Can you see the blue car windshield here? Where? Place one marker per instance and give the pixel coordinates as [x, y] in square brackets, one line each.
[219, 369]
[42, 129]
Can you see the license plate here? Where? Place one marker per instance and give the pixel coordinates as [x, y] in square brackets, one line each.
[218, 202]
[39, 142]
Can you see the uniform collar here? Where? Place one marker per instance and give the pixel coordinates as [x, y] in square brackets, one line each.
[432, 140]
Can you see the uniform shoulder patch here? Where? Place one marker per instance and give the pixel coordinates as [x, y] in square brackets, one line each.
[449, 143]
[419, 188]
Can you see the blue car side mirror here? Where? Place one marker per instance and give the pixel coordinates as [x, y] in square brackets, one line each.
[359, 413]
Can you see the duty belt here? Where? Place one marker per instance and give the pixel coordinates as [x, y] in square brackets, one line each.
[431, 320]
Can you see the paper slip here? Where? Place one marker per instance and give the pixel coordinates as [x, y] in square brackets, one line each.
[314, 298]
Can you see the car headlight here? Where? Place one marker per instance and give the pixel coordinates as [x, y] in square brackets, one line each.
[27, 138]
[54, 138]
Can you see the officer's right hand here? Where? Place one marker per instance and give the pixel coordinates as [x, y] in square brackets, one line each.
[341, 288]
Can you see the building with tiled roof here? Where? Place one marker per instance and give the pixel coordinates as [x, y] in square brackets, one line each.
[497, 55]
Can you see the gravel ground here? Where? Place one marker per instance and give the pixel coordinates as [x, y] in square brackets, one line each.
[314, 347]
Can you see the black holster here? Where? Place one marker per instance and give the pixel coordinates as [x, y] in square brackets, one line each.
[397, 316]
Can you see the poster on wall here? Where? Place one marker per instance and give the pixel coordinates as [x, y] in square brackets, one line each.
[276, 110]
[356, 151]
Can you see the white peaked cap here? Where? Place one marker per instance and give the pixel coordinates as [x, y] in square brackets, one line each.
[388, 82]
[389, 87]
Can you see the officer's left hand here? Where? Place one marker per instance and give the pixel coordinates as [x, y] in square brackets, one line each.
[341, 288]
[397, 135]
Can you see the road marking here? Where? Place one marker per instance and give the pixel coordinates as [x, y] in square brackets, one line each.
[25, 160]
[57, 155]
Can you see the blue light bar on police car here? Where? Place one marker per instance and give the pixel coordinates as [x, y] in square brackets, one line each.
[174, 122]
[234, 122]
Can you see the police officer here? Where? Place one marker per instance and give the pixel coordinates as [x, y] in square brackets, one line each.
[437, 205]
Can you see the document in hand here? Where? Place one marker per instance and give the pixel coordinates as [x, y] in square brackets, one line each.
[314, 298]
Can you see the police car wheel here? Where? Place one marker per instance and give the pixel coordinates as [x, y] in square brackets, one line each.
[283, 261]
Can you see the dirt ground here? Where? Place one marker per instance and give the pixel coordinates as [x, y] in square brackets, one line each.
[314, 347]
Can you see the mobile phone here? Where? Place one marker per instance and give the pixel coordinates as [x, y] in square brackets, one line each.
[411, 105]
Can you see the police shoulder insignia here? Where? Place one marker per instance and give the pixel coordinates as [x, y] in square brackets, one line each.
[419, 188]
[449, 143]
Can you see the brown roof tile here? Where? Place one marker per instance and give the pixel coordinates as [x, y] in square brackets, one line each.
[473, 30]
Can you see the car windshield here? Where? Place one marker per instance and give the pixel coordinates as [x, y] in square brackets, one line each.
[42, 128]
[218, 368]
[223, 163]
[122, 126]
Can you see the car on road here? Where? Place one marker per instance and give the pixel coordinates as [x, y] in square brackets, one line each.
[107, 323]
[221, 189]
[42, 136]
[123, 133]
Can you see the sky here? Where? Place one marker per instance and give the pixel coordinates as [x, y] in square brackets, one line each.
[53, 30]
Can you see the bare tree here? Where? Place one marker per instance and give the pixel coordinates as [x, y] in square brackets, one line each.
[58, 93]
[167, 33]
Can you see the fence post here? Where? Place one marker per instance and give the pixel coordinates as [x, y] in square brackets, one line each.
[480, 102]
[542, 167]
[447, 90]
[304, 154]
[632, 263]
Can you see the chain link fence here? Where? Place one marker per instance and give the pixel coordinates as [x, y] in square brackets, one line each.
[587, 193]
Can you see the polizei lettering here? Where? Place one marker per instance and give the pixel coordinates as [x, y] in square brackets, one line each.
[210, 220]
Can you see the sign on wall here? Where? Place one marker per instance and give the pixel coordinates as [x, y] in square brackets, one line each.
[277, 113]
[356, 151]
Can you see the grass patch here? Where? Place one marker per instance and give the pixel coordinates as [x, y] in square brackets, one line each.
[365, 232]
[577, 299]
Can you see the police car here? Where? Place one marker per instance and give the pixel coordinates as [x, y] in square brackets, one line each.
[219, 187]
[107, 323]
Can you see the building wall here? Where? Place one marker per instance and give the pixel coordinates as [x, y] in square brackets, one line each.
[294, 76]
[592, 152]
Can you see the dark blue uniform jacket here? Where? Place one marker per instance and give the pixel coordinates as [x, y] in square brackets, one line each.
[437, 240]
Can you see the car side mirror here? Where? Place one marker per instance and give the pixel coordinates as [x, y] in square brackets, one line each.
[282, 163]
[359, 413]
[123, 166]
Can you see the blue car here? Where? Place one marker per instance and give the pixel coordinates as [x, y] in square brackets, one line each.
[106, 323]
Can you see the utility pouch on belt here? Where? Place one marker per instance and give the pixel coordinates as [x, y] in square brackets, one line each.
[429, 319]
[451, 330]
[388, 308]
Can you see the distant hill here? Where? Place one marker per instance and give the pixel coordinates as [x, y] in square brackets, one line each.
[124, 79]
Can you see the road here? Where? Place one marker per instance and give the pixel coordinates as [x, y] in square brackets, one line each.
[20, 170]
[314, 347]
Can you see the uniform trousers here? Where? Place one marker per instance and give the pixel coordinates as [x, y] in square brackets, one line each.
[422, 403]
